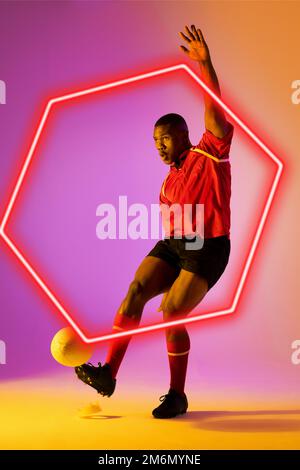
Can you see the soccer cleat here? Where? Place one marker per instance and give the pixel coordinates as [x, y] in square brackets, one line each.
[172, 405]
[98, 377]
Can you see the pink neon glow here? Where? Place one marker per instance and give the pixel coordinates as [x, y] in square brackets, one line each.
[158, 326]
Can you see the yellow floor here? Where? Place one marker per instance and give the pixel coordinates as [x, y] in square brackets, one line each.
[43, 414]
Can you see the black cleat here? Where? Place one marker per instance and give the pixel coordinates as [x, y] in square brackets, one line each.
[172, 405]
[98, 377]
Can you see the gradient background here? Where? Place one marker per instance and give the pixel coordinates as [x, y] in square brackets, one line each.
[98, 148]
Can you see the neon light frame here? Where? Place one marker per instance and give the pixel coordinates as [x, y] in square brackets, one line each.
[26, 264]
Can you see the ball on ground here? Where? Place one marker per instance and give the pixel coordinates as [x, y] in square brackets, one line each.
[68, 349]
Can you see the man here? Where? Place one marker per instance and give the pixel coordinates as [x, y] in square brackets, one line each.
[198, 175]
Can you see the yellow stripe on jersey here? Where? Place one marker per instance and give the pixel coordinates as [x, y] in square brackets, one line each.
[218, 160]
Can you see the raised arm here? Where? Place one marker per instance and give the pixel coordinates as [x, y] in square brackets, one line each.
[214, 117]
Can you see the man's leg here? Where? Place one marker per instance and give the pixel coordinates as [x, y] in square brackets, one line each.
[185, 294]
[153, 277]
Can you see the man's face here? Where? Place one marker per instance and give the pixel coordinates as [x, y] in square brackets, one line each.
[170, 142]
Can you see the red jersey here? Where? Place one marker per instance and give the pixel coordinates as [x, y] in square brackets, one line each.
[204, 177]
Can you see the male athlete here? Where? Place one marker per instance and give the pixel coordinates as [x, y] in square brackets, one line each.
[197, 175]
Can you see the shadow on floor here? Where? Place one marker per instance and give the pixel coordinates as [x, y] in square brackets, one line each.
[100, 417]
[245, 421]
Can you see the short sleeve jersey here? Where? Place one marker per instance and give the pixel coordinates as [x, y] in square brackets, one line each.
[204, 179]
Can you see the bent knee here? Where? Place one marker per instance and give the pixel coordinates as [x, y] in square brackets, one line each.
[134, 297]
[173, 309]
[135, 288]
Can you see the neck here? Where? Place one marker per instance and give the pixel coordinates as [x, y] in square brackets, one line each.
[178, 161]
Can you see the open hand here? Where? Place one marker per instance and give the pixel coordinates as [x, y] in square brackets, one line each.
[198, 47]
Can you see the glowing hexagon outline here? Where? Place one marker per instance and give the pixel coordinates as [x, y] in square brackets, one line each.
[160, 325]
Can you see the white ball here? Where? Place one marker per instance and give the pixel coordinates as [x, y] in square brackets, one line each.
[68, 349]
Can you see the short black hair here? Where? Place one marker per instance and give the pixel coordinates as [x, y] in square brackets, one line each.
[173, 119]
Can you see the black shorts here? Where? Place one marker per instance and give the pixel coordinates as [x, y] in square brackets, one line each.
[209, 261]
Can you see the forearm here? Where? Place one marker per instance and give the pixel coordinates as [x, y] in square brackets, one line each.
[210, 78]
